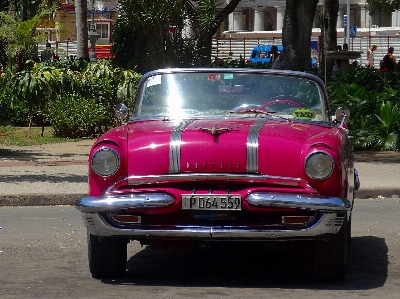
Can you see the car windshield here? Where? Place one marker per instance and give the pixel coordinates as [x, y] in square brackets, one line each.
[231, 94]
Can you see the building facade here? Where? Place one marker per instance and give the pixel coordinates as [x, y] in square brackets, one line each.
[268, 15]
[64, 25]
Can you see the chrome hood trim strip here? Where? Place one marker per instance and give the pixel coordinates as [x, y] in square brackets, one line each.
[252, 146]
[175, 147]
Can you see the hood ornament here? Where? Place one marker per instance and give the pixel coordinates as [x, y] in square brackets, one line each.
[215, 131]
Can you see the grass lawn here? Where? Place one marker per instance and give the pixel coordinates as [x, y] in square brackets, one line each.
[23, 136]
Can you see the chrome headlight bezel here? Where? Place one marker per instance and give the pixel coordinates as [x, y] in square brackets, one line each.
[319, 165]
[105, 161]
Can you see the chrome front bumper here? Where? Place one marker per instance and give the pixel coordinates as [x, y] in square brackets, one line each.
[333, 211]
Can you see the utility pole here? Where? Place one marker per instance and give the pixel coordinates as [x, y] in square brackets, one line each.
[93, 36]
[22, 17]
[348, 23]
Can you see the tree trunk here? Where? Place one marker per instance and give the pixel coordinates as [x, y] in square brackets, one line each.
[296, 33]
[18, 63]
[204, 42]
[81, 29]
[204, 47]
[30, 118]
[328, 34]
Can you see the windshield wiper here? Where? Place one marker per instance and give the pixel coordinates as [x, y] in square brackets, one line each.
[252, 111]
[258, 112]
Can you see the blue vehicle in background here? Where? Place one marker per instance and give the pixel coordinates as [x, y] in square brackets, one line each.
[262, 53]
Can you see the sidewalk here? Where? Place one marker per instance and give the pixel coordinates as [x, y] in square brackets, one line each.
[49, 174]
[56, 174]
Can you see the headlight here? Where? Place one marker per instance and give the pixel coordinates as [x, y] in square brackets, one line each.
[105, 162]
[319, 165]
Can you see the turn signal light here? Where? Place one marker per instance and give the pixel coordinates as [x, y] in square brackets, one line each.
[127, 218]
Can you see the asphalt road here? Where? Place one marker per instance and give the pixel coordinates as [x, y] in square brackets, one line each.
[43, 254]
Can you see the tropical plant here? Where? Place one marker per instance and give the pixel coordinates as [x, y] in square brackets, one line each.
[11, 113]
[36, 87]
[46, 85]
[388, 126]
[18, 40]
[370, 78]
[373, 99]
[357, 98]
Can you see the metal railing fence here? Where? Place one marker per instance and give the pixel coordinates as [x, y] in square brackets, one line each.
[242, 47]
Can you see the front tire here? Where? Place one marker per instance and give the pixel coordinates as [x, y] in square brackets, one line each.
[107, 256]
[331, 257]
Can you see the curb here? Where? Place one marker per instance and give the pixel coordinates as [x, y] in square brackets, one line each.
[381, 192]
[39, 199]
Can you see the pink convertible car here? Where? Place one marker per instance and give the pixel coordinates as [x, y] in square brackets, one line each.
[211, 155]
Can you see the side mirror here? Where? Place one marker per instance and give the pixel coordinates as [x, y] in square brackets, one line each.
[121, 111]
[341, 116]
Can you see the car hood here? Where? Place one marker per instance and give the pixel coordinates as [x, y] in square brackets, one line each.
[251, 145]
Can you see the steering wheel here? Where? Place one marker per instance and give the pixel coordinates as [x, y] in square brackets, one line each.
[284, 100]
[299, 113]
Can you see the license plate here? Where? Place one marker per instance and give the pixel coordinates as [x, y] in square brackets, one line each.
[211, 202]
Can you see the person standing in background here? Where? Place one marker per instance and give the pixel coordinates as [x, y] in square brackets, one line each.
[276, 58]
[47, 54]
[389, 61]
[370, 55]
[336, 68]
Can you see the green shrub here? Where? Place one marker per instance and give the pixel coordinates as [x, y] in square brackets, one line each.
[374, 102]
[75, 117]
[47, 94]
[14, 113]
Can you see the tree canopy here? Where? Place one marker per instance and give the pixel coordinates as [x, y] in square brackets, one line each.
[160, 33]
[23, 10]
[385, 5]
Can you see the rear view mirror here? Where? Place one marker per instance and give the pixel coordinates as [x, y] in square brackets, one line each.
[230, 88]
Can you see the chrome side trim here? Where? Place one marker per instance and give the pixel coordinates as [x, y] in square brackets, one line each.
[175, 146]
[252, 146]
[93, 204]
[302, 201]
[329, 224]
